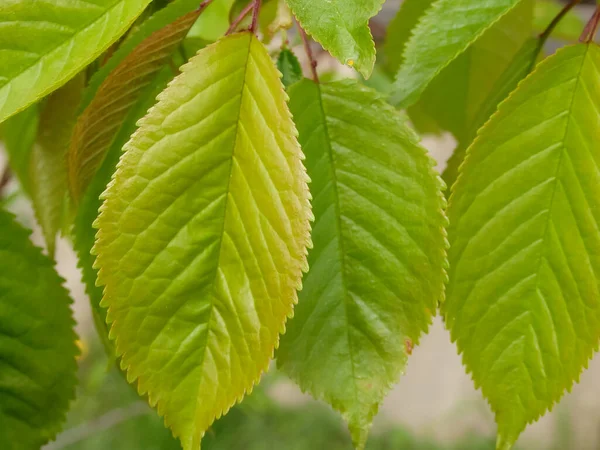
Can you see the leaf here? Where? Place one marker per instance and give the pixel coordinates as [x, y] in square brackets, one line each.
[43, 46]
[202, 236]
[568, 29]
[37, 343]
[377, 267]
[448, 28]
[290, 68]
[399, 31]
[522, 64]
[523, 297]
[342, 28]
[455, 96]
[97, 126]
[162, 18]
[47, 167]
[83, 232]
[19, 133]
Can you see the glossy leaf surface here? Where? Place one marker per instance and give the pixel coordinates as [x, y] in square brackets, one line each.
[37, 343]
[523, 300]
[446, 30]
[342, 28]
[377, 267]
[44, 43]
[203, 234]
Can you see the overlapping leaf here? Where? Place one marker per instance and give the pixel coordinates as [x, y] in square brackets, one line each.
[43, 45]
[162, 18]
[399, 31]
[521, 65]
[455, 96]
[523, 297]
[290, 68]
[446, 30]
[569, 28]
[47, 163]
[202, 236]
[83, 232]
[19, 134]
[97, 126]
[342, 28]
[37, 343]
[377, 267]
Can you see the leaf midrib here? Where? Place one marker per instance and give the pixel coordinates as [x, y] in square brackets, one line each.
[220, 250]
[341, 252]
[556, 179]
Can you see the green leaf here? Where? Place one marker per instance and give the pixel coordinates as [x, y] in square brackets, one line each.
[446, 30]
[47, 166]
[399, 31]
[342, 28]
[202, 236]
[19, 133]
[523, 297]
[290, 68]
[455, 96]
[43, 46]
[377, 267]
[37, 343]
[97, 126]
[521, 65]
[569, 28]
[84, 234]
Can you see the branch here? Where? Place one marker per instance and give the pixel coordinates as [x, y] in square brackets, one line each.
[309, 53]
[563, 12]
[589, 32]
[255, 14]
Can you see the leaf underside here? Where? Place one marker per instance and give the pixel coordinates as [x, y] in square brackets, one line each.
[37, 343]
[455, 96]
[377, 267]
[43, 45]
[523, 300]
[47, 165]
[446, 30]
[97, 126]
[522, 64]
[342, 28]
[203, 234]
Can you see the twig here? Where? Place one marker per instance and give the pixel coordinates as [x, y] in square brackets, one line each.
[204, 5]
[241, 17]
[6, 176]
[589, 32]
[563, 12]
[255, 14]
[309, 53]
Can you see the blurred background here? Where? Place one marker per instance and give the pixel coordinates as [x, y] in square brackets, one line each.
[434, 405]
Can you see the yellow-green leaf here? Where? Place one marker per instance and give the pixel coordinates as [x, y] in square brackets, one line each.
[203, 234]
[523, 300]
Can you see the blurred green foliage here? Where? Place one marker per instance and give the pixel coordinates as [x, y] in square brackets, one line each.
[109, 415]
